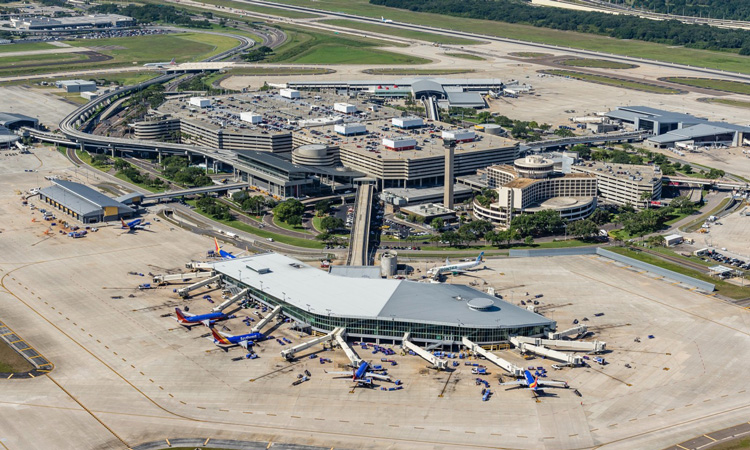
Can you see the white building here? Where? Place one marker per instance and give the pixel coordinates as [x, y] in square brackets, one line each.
[200, 102]
[345, 108]
[459, 135]
[290, 93]
[399, 143]
[407, 122]
[251, 117]
[623, 184]
[350, 129]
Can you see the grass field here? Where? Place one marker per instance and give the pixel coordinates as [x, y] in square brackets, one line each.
[74, 97]
[633, 48]
[260, 9]
[313, 47]
[727, 101]
[126, 78]
[11, 361]
[417, 71]
[722, 287]
[595, 63]
[468, 56]
[286, 226]
[25, 47]
[734, 87]
[529, 54]
[279, 71]
[610, 81]
[400, 32]
[6, 61]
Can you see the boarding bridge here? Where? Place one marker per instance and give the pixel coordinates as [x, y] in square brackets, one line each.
[231, 300]
[439, 364]
[289, 353]
[181, 277]
[197, 265]
[577, 346]
[185, 292]
[264, 321]
[580, 330]
[498, 361]
[547, 352]
[350, 353]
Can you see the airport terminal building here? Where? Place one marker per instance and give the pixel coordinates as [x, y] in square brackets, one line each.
[380, 309]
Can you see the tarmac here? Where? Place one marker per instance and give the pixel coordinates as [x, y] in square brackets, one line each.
[125, 374]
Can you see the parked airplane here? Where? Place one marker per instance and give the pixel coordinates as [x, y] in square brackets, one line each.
[189, 320]
[459, 268]
[137, 224]
[384, 20]
[223, 253]
[161, 64]
[360, 374]
[531, 382]
[225, 341]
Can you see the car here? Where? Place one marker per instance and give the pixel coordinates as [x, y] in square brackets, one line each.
[269, 239]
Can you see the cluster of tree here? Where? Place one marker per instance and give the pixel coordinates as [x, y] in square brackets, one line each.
[151, 13]
[639, 223]
[542, 223]
[176, 168]
[253, 204]
[717, 9]
[198, 83]
[468, 232]
[134, 175]
[331, 224]
[257, 54]
[149, 98]
[671, 32]
[486, 197]
[322, 207]
[100, 160]
[521, 129]
[210, 206]
[289, 211]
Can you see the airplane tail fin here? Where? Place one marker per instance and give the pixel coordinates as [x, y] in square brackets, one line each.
[179, 314]
[123, 223]
[218, 249]
[216, 335]
[479, 258]
[172, 63]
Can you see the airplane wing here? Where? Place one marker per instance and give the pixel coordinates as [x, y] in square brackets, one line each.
[378, 376]
[514, 383]
[338, 373]
[206, 323]
[562, 384]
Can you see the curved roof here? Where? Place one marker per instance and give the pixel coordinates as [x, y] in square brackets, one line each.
[11, 120]
[7, 136]
[427, 85]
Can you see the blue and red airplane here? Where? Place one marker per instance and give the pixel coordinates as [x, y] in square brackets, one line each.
[225, 341]
[532, 382]
[222, 253]
[189, 320]
[137, 224]
[361, 375]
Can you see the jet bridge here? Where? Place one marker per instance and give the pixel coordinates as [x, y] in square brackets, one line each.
[289, 353]
[181, 277]
[439, 364]
[264, 321]
[580, 330]
[498, 361]
[350, 353]
[578, 346]
[231, 300]
[546, 352]
[185, 292]
[197, 265]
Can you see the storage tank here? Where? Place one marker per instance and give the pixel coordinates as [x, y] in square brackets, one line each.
[388, 263]
[491, 128]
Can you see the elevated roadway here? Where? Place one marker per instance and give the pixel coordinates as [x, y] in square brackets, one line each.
[360, 239]
[194, 191]
[719, 183]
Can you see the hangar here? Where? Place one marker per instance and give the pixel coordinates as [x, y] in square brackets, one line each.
[83, 203]
[14, 121]
[380, 309]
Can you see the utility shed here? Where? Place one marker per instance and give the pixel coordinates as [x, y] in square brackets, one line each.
[83, 203]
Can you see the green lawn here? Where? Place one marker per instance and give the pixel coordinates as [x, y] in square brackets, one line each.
[727, 101]
[722, 287]
[126, 78]
[286, 226]
[140, 185]
[86, 158]
[26, 47]
[11, 361]
[416, 71]
[595, 63]
[468, 56]
[735, 87]
[611, 81]
[400, 32]
[297, 242]
[313, 47]
[529, 54]
[279, 71]
[633, 48]
[516, 246]
[9, 61]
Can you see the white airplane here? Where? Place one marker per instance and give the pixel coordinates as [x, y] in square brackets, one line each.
[384, 20]
[461, 267]
[161, 64]
[361, 375]
[532, 382]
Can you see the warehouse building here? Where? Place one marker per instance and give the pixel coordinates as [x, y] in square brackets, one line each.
[622, 184]
[532, 185]
[83, 203]
[380, 310]
[7, 137]
[76, 85]
[14, 121]
[88, 21]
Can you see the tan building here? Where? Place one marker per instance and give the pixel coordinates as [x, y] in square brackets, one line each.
[532, 185]
[622, 184]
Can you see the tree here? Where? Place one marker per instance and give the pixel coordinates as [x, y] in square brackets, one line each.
[656, 240]
[715, 173]
[646, 197]
[451, 237]
[583, 229]
[564, 132]
[254, 204]
[529, 240]
[285, 210]
[322, 207]
[686, 169]
[437, 223]
[331, 223]
[600, 216]
[294, 221]
[683, 205]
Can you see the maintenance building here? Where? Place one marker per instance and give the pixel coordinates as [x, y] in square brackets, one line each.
[381, 310]
[83, 203]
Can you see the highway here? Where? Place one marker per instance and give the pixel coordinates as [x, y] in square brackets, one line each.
[458, 33]
[359, 243]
